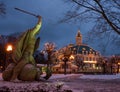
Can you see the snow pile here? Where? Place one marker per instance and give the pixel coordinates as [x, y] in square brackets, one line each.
[107, 77]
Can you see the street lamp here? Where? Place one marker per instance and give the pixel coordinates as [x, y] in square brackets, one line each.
[9, 48]
[72, 57]
[65, 60]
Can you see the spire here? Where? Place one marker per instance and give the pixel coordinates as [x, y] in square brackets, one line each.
[79, 38]
[78, 34]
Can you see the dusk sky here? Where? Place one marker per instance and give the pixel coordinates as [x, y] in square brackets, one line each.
[51, 11]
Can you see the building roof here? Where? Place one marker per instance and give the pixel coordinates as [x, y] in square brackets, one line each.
[83, 48]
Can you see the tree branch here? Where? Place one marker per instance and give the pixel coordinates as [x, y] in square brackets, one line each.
[114, 27]
[86, 6]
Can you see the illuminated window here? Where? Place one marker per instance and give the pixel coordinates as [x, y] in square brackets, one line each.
[83, 49]
[82, 52]
[86, 52]
[94, 66]
[90, 49]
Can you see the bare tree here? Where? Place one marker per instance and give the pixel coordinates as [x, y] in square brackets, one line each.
[2, 8]
[49, 47]
[103, 14]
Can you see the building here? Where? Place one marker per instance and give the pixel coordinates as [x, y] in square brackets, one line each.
[117, 59]
[85, 57]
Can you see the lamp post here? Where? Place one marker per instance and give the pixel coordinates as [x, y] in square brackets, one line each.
[65, 60]
[66, 55]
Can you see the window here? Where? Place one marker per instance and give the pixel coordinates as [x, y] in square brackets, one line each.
[83, 49]
[86, 58]
[90, 58]
[82, 52]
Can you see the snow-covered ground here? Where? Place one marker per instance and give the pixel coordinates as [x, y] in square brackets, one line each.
[71, 81]
[106, 77]
[35, 86]
[82, 76]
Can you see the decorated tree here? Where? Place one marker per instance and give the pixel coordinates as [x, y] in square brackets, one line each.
[49, 48]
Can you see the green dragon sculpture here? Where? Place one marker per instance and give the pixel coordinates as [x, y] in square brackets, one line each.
[24, 66]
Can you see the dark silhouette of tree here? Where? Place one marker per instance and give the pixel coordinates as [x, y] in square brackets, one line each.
[2, 8]
[104, 15]
[39, 58]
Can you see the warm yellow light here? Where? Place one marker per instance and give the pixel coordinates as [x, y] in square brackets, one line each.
[90, 61]
[71, 57]
[118, 63]
[9, 48]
